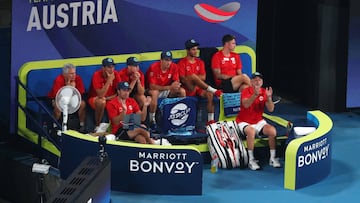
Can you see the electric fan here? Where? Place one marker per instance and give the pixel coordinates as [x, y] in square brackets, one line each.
[68, 100]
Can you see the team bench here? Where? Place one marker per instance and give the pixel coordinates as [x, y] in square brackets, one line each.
[36, 78]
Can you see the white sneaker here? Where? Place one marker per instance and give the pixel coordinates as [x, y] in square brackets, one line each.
[166, 142]
[102, 127]
[253, 164]
[162, 141]
[96, 129]
[275, 163]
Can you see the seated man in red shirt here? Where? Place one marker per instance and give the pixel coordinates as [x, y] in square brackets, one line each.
[69, 77]
[133, 75]
[121, 105]
[226, 66]
[103, 88]
[251, 122]
[192, 76]
[163, 78]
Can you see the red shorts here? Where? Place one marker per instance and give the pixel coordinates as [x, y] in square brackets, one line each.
[91, 102]
[196, 92]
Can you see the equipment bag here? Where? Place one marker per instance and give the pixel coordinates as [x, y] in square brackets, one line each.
[225, 143]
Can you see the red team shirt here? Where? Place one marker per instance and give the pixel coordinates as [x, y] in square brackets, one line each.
[187, 68]
[114, 108]
[228, 65]
[59, 82]
[98, 81]
[158, 77]
[125, 77]
[252, 114]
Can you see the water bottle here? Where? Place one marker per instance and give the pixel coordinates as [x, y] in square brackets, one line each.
[214, 164]
[201, 118]
[45, 128]
[289, 128]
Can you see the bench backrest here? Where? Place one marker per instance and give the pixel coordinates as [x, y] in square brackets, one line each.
[40, 75]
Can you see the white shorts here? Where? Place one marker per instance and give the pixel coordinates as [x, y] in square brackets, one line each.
[164, 94]
[258, 126]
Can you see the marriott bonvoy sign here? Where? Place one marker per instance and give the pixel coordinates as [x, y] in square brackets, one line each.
[162, 162]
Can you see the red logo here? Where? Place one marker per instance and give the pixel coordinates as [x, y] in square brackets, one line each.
[212, 14]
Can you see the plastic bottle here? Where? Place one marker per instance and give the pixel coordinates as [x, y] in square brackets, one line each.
[45, 128]
[214, 164]
[201, 118]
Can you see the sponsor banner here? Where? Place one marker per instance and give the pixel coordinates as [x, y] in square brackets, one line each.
[62, 29]
[313, 161]
[308, 158]
[138, 168]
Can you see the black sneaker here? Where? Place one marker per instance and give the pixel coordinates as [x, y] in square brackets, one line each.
[83, 130]
[154, 128]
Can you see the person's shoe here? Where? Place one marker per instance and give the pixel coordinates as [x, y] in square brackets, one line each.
[210, 122]
[96, 129]
[154, 128]
[275, 163]
[162, 141]
[101, 128]
[157, 142]
[166, 142]
[253, 165]
[276, 99]
[218, 93]
[82, 130]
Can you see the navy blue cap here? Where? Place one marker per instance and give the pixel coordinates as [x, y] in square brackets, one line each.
[132, 61]
[167, 55]
[123, 86]
[108, 62]
[191, 43]
[257, 74]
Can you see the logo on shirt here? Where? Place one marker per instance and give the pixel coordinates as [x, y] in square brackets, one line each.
[225, 59]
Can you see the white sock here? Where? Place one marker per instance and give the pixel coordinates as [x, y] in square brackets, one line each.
[211, 116]
[251, 154]
[152, 117]
[211, 89]
[272, 153]
[82, 124]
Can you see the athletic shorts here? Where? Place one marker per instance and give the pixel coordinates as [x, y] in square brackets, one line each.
[258, 127]
[226, 86]
[164, 94]
[91, 102]
[197, 92]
